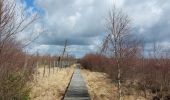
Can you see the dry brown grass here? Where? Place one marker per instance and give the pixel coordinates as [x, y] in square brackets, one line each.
[50, 87]
[100, 87]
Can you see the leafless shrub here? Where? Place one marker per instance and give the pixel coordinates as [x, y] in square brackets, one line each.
[16, 67]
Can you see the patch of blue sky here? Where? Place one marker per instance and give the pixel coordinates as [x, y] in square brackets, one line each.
[31, 4]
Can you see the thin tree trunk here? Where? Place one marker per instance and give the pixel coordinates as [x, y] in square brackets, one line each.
[119, 81]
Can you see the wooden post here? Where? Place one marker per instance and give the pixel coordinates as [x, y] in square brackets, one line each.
[37, 65]
[67, 61]
[53, 67]
[59, 61]
[44, 68]
[37, 68]
[57, 65]
[49, 67]
[64, 50]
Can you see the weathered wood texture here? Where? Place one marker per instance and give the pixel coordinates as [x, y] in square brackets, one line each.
[77, 89]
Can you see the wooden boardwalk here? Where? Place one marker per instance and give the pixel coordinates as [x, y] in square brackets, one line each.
[77, 89]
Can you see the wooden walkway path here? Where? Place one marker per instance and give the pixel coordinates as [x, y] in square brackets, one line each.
[77, 89]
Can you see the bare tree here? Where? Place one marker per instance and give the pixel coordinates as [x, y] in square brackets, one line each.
[13, 65]
[11, 23]
[118, 25]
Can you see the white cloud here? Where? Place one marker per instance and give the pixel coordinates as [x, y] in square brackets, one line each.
[145, 13]
[81, 21]
[78, 21]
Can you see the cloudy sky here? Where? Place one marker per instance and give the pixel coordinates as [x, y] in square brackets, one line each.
[82, 22]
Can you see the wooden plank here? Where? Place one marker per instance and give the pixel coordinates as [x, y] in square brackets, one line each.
[77, 89]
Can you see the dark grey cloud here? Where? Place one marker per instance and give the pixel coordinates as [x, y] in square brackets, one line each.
[60, 41]
[78, 21]
[82, 22]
